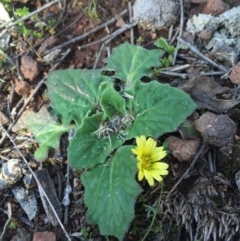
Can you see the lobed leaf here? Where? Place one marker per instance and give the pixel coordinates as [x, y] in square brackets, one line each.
[131, 63]
[110, 193]
[159, 108]
[86, 149]
[75, 93]
[46, 130]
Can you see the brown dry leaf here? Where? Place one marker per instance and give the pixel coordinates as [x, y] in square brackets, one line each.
[203, 91]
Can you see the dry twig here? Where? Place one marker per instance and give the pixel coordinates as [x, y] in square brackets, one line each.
[183, 76]
[193, 49]
[180, 30]
[187, 171]
[130, 20]
[74, 40]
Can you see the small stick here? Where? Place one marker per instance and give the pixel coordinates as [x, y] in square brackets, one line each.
[9, 213]
[32, 13]
[67, 185]
[69, 26]
[38, 183]
[177, 68]
[170, 33]
[81, 37]
[180, 30]
[183, 76]
[183, 56]
[32, 94]
[11, 98]
[4, 158]
[23, 145]
[193, 49]
[6, 23]
[130, 20]
[99, 56]
[212, 73]
[187, 171]
[174, 36]
[108, 51]
[120, 31]
[110, 37]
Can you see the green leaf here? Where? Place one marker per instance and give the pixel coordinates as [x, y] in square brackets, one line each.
[46, 129]
[162, 44]
[86, 149]
[110, 193]
[159, 108]
[112, 103]
[74, 93]
[131, 63]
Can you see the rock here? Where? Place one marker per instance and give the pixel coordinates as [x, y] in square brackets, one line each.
[22, 87]
[44, 236]
[206, 34]
[215, 7]
[217, 130]
[235, 74]
[155, 14]
[29, 67]
[183, 150]
[3, 118]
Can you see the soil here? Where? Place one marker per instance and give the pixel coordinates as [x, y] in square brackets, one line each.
[16, 84]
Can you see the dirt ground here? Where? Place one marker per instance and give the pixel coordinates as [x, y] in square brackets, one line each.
[208, 193]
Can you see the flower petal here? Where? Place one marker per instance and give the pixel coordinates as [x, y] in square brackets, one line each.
[149, 177]
[160, 172]
[149, 146]
[163, 172]
[158, 154]
[140, 175]
[160, 165]
[155, 174]
[139, 165]
[135, 151]
[141, 141]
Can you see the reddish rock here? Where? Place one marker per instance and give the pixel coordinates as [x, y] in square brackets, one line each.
[215, 7]
[22, 87]
[29, 67]
[44, 236]
[183, 150]
[206, 34]
[235, 75]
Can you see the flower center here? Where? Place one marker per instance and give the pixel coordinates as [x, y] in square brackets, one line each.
[146, 162]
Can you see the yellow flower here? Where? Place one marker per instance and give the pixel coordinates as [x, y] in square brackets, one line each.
[148, 156]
